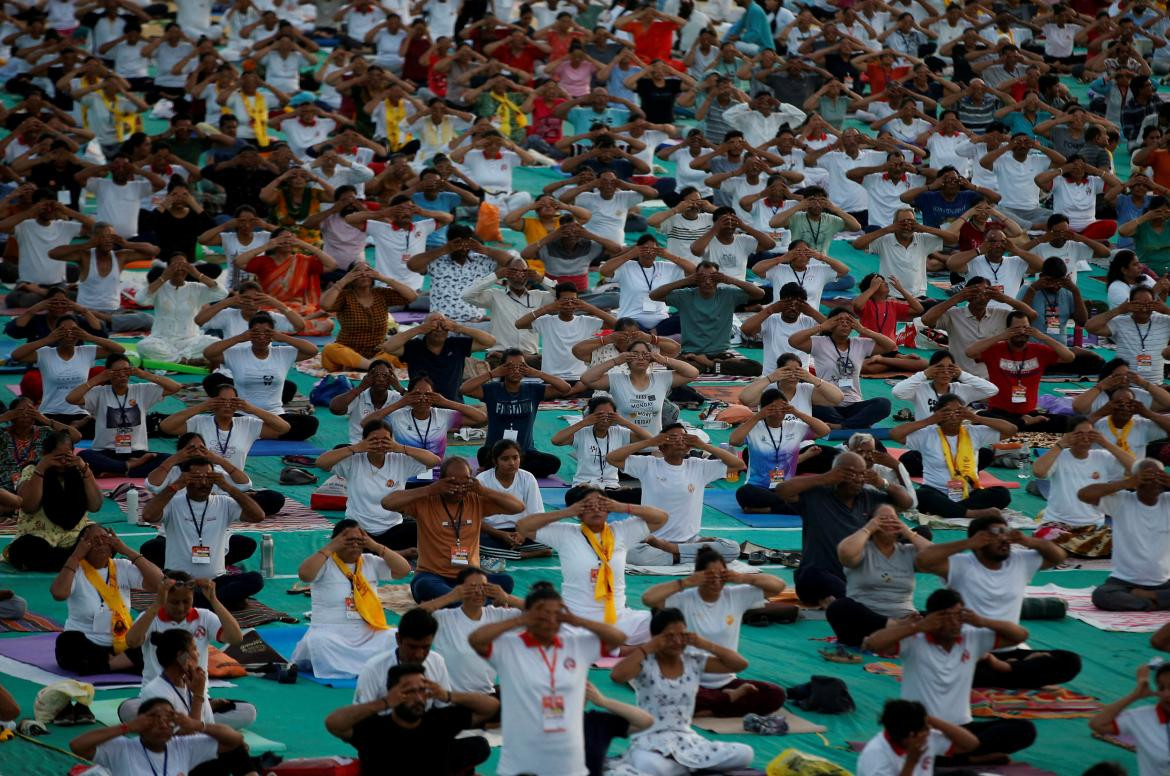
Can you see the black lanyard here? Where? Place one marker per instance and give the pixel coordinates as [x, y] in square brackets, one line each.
[995, 267]
[423, 437]
[223, 445]
[166, 758]
[202, 518]
[1142, 337]
[800, 278]
[653, 276]
[816, 233]
[844, 362]
[600, 457]
[456, 520]
[776, 444]
[186, 701]
[122, 421]
[523, 301]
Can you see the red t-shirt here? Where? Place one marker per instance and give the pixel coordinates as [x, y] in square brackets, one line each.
[883, 317]
[436, 80]
[1009, 368]
[652, 41]
[525, 58]
[971, 236]
[544, 122]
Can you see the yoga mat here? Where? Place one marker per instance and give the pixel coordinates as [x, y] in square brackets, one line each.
[166, 366]
[684, 569]
[724, 501]
[409, 316]
[30, 623]
[14, 389]
[281, 447]
[37, 650]
[106, 712]
[284, 641]
[986, 479]
[843, 434]
[1080, 607]
[553, 497]
[734, 725]
[110, 483]
[552, 481]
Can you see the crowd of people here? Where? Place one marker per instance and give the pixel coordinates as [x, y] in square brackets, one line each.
[482, 207]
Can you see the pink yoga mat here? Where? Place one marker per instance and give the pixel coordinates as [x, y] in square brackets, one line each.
[38, 650]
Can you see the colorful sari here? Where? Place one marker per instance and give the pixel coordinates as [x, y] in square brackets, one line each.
[290, 215]
[296, 282]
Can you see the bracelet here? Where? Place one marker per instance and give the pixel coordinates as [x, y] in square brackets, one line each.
[174, 487]
[124, 728]
[385, 705]
[73, 568]
[682, 585]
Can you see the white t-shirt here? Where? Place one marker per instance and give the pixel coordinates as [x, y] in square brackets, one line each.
[812, 279]
[847, 194]
[128, 59]
[166, 57]
[1141, 433]
[842, 367]
[363, 406]
[1145, 726]
[230, 322]
[608, 215]
[676, 489]
[493, 175]
[35, 241]
[643, 407]
[592, 466]
[935, 473]
[124, 755]
[181, 700]
[1068, 475]
[331, 590]
[1006, 276]
[940, 679]
[366, 486]
[118, 205]
[919, 389]
[1141, 344]
[191, 524]
[468, 671]
[885, 195]
[202, 624]
[776, 331]
[525, 680]
[1077, 200]
[260, 382]
[111, 413]
[88, 613]
[429, 434]
[994, 593]
[284, 72]
[1017, 180]
[232, 444]
[1141, 538]
[59, 376]
[717, 621]
[302, 137]
[523, 487]
[906, 262]
[393, 247]
[371, 682]
[557, 338]
[635, 283]
[580, 564]
[878, 758]
[732, 258]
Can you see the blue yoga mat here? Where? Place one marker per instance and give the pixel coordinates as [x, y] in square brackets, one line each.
[284, 447]
[842, 434]
[724, 501]
[553, 497]
[284, 641]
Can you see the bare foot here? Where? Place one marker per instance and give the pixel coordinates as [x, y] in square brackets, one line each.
[988, 512]
[739, 692]
[410, 553]
[134, 463]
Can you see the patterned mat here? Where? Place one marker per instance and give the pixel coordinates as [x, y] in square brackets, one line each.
[252, 615]
[30, 623]
[294, 516]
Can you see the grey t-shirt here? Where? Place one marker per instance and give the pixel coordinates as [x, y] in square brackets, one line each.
[885, 585]
[559, 260]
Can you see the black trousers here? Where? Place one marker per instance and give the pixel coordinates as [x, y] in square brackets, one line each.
[997, 736]
[814, 584]
[759, 497]
[912, 460]
[401, 537]
[303, 426]
[1057, 424]
[78, 654]
[1031, 669]
[938, 503]
[539, 464]
[853, 621]
[32, 553]
[231, 589]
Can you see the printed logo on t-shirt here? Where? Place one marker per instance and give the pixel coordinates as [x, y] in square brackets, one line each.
[268, 379]
[390, 483]
[124, 417]
[569, 664]
[1012, 366]
[200, 632]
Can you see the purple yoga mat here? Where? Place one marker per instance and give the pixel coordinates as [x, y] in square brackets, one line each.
[37, 650]
[552, 482]
[409, 316]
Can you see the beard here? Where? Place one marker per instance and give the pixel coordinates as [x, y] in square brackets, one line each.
[410, 712]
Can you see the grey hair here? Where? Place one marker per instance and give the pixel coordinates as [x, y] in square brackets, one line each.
[1147, 463]
[858, 439]
[845, 456]
[99, 225]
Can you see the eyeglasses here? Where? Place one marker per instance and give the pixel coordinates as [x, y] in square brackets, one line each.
[998, 529]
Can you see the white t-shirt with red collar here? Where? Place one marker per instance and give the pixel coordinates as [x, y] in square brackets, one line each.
[202, 624]
[939, 678]
[533, 678]
[394, 245]
[882, 757]
[1147, 726]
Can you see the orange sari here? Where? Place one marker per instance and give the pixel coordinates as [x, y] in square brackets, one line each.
[297, 283]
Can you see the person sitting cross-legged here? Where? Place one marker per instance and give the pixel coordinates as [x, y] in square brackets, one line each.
[992, 579]
[949, 440]
[713, 600]
[1081, 457]
[348, 626]
[911, 740]
[1140, 507]
[939, 654]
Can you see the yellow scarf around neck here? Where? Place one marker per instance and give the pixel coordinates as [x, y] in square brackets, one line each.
[125, 124]
[962, 464]
[437, 136]
[257, 108]
[507, 112]
[365, 600]
[395, 117]
[1121, 434]
[604, 589]
[112, 596]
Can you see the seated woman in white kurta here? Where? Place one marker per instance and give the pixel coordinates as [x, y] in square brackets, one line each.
[593, 557]
[348, 625]
[175, 337]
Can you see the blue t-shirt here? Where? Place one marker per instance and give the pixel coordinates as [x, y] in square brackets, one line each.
[512, 411]
[444, 202]
[1128, 211]
[774, 450]
[1016, 121]
[936, 210]
[583, 118]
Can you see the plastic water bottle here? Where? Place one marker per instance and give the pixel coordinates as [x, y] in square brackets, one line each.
[1023, 469]
[132, 506]
[267, 556]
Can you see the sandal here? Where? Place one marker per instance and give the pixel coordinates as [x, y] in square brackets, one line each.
[298, 460]
[757, 558]
[300, 588]
[840, 654]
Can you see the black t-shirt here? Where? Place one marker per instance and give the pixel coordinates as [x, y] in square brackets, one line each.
[425, 749]
[601, 727]
[179, 235]
[50, 176]
[658, 101]
[445, 368]
[242, 185]
[828, 520]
